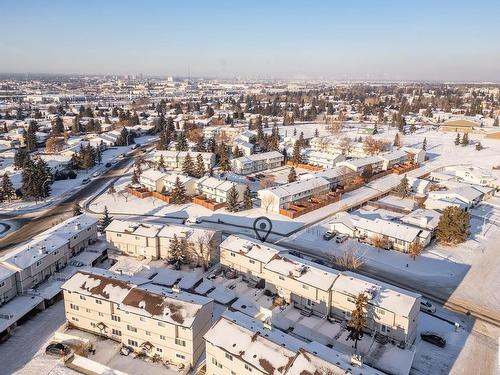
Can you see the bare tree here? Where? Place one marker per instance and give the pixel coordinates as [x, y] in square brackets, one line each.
[267, 201]
[202, 249]
[415, 249]
[350, 260]
[346, 145]
[380, 241]
[266, 182]
[335, 127]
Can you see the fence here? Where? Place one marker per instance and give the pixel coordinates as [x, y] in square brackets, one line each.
[300, 208]
[305, 166]
[207, 203]
[139, 192]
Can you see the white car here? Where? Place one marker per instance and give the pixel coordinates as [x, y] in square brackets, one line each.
[427, 307]
[95, 174]
[193, 220]
[341, 237]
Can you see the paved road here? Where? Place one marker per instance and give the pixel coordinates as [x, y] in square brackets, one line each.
[32, 224]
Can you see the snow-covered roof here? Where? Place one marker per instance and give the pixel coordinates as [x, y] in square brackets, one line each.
[152, 174]
[131, 227]
[360, 162]
[172, 178]
[74, 225]
[298, 187]
[5, 272]
[248, 246]
[385, 296]
[423, 218]
[214, 183]
[26, 255]
[192, 234]
[306, 272]
[393, 155]
[153, 301]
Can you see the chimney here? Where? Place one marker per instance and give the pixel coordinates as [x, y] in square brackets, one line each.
[78, 226]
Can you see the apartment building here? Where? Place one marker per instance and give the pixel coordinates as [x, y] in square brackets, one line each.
[257, 162]
[394, 235]
[218, 190]
[277, 197]
[147, 318]
[312, 287]
[8, 287]
[175, 159]
[153, 240]
[391, 311]
[357, 165]
[322, 159]
[238, 344]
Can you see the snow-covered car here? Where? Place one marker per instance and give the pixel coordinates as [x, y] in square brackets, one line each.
[341, 237]
[85, 180]
[426, 306]
[96, 174]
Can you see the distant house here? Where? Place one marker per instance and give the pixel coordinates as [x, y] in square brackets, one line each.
[218, 190]
[460, 126]
[322, 159]
[357, 165]
[257, 162]
[175, 159]
[152, 180]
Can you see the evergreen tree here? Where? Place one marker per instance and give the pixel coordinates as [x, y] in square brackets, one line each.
[294, 131]
[465, 139]
[177, 252]
[77, 209]
[200, 166]
[188, 166]
[292, 176]
[357, 324]
[403, 189]
[161, 164]
[223, 159]
[296, 156]
[316, 133]
[413, 128]
[424, 144]
[178, 193]
[397, 140]
[247, 199]
[163, 141]
[104, 221]
[453, 226]
[7, 191]
[457, 139]
[495, 123]
[182, 144]
[200, 145]
[30, 136]
[237, 153]
[479, 146]
[301, 141]
[232, 199]
[20, 157]
[375, 129]
[58, 126]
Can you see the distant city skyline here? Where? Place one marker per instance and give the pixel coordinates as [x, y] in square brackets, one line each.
[362, 40]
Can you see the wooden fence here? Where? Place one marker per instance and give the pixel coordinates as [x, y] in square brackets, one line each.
[207, 203]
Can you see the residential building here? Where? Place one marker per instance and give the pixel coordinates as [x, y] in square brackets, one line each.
[218, 190]
[277, 197]
[153, 240]
[357, 165]
[393, 158]
[147, 318]
[322, 159]
[152, 180]
[312, 287]
[175, 159]
[257, 162]
[189, 183]
[8, 287]
[460, 126]
[391, 234]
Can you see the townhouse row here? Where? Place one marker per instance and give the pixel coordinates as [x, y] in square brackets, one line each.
[175, 159]
[257, 162]
[154, 241]
[392, 311]
[28, 265]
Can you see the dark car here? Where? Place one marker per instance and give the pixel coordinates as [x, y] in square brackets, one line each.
[107, 165]
[319, 261]
[57, 349]
[328, 236]
[250, 178]
[433, 338]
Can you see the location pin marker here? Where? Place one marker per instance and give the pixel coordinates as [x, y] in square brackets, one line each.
[262, 227]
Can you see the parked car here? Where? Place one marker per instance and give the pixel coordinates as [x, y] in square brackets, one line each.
[341, 237]
[426, 306]
[57, 349]
[250, 178]
[328, 235]
[295, 253]
[107, 165]
[433, 338]
[193, 220]
[319, 261]
[85, 180]
[95, 174]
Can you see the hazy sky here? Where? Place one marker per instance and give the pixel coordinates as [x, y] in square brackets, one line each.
[349, 39]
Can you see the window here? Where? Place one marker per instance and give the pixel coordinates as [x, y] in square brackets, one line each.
[83, 298]
[159, 350]
[130, 328]
[148, 333]
[100, 313]
[180, 356]
[216, 363]
[133, 342]
[98, 301]
[74, 307]
[232, 254]
[39, 263]
[161, 324]
[116, 332]
[75, 319]
[228, 356]
[251, 261]
[142, 319]
[304, 286]
[233, 373]
[115, 318]
[93, 325]
[247, 367]
[180, 342]
[118, 235]
[282, 277]
[162, 337]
